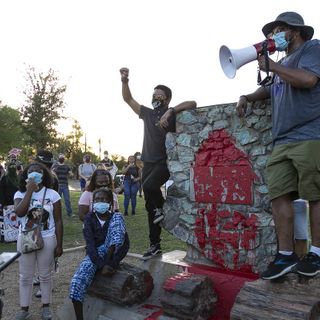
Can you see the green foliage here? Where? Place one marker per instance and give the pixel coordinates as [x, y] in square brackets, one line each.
[42, 109]
[10, 129]
[120, 161]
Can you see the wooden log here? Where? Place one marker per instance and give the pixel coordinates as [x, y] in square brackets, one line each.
[188, 296]
[292, 297]
[129, 285]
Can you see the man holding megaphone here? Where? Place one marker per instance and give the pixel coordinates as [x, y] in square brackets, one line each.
[293, 169]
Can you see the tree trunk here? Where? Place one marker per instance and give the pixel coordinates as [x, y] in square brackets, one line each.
[127, 286]
[292, 297]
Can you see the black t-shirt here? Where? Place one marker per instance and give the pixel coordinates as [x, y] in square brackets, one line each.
[132, 171]
[107, 163]
[154, 140]
[7, 191]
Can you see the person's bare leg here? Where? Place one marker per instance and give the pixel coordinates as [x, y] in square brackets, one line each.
[301, 247]
[315, 222]
[282, 211]
[77, 305]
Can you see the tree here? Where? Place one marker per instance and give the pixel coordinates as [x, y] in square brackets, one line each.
[42, 109]
[10, 129]
[120, 161]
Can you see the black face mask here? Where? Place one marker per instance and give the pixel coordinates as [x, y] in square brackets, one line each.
[61, 160]
[87, 160]
[156, 103]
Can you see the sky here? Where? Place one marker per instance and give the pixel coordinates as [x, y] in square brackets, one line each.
[171, 42]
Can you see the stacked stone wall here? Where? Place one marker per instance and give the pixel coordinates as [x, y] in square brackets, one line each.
[218, 202]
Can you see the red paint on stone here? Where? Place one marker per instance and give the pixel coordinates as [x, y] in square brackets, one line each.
[223, 175]
[223, 184]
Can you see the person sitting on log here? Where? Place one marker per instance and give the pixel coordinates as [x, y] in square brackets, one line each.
[107, 244]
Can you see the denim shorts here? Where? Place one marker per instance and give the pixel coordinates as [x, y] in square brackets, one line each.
[294, 168]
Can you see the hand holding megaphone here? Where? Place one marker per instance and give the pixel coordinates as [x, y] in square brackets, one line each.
[232, 60]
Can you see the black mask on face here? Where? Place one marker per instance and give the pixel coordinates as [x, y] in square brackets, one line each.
[87, 160]
[157, 104]
[61, 160]
[158, 101]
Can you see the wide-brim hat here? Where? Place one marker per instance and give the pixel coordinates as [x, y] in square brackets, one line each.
[292, 19]
[44, 156]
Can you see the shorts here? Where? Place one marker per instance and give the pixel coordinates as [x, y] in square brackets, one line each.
[294, 168]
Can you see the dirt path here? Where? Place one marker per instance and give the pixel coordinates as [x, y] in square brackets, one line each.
[68, 262]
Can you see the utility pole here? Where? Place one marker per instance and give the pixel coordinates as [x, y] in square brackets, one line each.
[85, 143]
[99, 141]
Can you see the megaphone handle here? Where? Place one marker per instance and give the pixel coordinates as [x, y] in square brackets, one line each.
[267, 79]
[265, 53]
[259, 76]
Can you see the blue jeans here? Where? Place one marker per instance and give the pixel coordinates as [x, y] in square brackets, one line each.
[130, 193]
[64, 190]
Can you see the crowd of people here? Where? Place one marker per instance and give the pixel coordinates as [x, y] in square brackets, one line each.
[292, 171]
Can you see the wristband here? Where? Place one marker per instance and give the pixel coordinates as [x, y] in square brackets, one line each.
[173, 110]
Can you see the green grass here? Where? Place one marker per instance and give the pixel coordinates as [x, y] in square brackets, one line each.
[137, 227]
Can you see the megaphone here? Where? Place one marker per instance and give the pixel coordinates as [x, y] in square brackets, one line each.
[232, 60]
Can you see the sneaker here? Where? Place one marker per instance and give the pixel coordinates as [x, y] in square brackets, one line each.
[281, 265]
[309, 265]
[22, 315]
[46, 313]
[36, 281]
[158, 216]
[38, 294]
[153, 251]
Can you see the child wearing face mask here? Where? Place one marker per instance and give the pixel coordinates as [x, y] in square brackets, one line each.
[35, 192]
[107, 243]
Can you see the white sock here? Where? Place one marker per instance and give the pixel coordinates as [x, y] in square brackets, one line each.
[286, 253]
[315, 250]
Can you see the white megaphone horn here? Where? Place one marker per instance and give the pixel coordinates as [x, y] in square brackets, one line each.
[232, 60]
